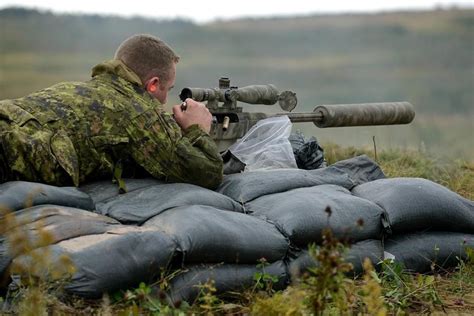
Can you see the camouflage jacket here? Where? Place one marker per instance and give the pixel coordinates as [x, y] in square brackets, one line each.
[75, 132]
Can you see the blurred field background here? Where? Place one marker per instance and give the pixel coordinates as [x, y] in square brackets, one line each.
[424, 57]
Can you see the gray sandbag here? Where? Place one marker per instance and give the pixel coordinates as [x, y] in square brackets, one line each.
[226, 277]
[361, 169]
[246, 186]
[208, 235]
[356, 255]
[301, 215]
[138, 206]
[53, 216]
[58, 222]
[418, 252]
[100, 191]
[16, 195]
[414, 204]
[118, 259]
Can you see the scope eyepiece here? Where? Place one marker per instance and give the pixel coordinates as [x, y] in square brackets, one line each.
[185, 93]
[197, 94]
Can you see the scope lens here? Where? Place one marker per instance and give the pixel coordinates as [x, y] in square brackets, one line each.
[185, 93]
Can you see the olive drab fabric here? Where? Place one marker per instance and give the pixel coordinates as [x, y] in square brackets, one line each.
[74, 132]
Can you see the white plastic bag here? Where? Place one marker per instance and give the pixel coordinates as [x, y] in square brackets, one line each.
[266, 145]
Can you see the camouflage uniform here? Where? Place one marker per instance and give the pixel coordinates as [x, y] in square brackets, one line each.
[75, 132]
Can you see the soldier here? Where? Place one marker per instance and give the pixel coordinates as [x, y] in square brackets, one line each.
[75, 132]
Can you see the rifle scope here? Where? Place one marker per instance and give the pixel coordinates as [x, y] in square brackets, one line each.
[254, 94]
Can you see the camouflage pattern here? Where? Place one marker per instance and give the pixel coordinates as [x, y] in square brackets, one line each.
[75, 132]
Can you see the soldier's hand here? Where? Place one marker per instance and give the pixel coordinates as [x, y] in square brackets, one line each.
[193, 113]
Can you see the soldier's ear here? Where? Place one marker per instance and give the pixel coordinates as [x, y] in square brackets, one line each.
[152, 84]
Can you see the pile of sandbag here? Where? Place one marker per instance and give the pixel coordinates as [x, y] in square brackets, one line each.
[428, 224]
[116, 241]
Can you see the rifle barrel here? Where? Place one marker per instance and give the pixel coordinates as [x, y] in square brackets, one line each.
[364, 114]
[303, 117]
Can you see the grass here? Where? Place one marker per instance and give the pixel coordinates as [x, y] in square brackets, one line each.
[456, 174]
[325, 290]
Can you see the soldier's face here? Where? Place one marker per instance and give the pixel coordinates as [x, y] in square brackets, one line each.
[164, 87]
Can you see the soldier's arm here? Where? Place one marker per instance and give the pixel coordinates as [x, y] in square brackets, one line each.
[166, 152]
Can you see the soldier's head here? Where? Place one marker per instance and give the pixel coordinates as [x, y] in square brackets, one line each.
[152, 60]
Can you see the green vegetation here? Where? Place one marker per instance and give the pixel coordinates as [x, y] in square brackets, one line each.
[42, 277]
[457, 175]
[423, 57]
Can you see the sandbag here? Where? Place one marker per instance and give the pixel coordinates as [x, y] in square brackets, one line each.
[301, 215]
[118, 259]
[16, 195]
[361, 169]
[58, 222]
[247, 186]
[53, 216]
[356, 255]
[140, 205]
[208, 235]
[418, 252]
[102, 190]
[244, 187]
[226, 277]
[414, 204]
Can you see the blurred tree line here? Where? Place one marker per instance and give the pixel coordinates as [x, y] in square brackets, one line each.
[424, 57]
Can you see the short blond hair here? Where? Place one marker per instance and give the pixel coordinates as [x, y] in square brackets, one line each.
[147, 56]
